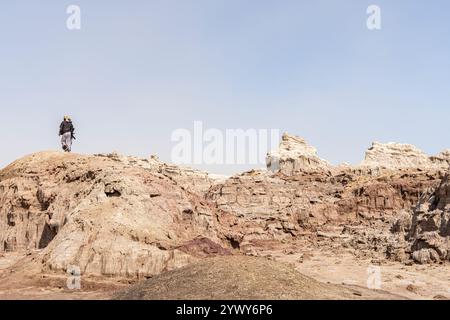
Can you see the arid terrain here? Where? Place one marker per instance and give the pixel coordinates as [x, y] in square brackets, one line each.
[125, 227]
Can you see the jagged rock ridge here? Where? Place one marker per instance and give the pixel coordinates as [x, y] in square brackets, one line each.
[427, 230]
[295, 155]
[398, 156]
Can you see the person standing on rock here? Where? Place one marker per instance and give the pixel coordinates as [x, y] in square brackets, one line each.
[66, 131]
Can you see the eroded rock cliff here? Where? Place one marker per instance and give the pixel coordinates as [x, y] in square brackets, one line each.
[427, 229]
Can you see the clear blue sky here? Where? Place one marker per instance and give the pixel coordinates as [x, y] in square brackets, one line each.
[137, 70]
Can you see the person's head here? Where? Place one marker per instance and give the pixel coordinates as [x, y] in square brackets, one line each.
[66, 118]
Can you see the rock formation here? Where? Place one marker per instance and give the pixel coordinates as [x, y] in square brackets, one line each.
[427, 230]
[403, 156]
[188, 178]
[105, 214]
[442, 159]
[308, 196]
[293, 156]
[119, 216]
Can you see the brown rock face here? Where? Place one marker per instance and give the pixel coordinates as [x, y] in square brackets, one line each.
[441, 200]
[300, 197]
[428, 229]
[262, 206]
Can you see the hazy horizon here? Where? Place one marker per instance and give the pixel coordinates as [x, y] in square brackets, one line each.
[136, 72]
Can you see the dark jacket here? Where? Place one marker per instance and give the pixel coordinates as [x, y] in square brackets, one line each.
[66, 126]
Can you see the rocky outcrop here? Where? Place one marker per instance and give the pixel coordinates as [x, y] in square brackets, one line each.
[442, 159]
[259, 206]
[262, 207]
[295, 155]
[395, 156]
[387, 194]
[427, 230]
[403, 156]
[188, 178]
[104, 214]
[306, 194]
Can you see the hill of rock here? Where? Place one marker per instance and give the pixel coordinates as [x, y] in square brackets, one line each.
[107, 215]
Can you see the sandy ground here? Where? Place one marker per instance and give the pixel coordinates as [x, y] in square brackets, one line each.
[413, 282]
[49, 286]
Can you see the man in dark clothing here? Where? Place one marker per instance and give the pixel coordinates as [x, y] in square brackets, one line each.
[66, 131]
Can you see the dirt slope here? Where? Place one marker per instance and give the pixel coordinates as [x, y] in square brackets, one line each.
[243, 278]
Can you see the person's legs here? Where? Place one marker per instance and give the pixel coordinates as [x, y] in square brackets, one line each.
[69, 142]
[63, 142]
[66, 141]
